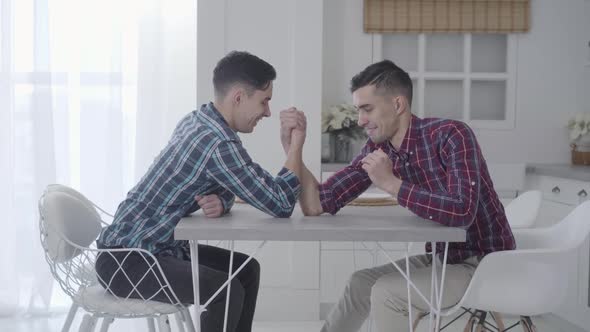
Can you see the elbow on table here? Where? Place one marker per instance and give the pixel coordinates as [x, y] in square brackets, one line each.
[311, 211]
[282, 212]
[463, 220]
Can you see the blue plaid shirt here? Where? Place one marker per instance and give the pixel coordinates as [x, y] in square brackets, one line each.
[204, 156]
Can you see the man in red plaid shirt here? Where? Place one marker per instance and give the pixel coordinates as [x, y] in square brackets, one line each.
[433, 167]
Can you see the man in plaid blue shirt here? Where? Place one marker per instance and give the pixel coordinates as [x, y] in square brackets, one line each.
[204, 166]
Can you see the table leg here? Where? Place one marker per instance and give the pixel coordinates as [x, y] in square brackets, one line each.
[196, 309]
[442, 282]
[433, 287]
[410, 319]
[229, 277]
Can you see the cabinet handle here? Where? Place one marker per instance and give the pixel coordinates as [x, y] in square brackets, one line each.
[556, 190]
[582, 193]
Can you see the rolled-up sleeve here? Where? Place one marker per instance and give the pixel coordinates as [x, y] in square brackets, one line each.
[227, 199]
[345, 185]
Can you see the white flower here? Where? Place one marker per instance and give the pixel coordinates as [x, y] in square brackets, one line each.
[338, 117]
[579, 125]
[575, 133]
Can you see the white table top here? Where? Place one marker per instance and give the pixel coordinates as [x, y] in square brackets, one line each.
[352, 223]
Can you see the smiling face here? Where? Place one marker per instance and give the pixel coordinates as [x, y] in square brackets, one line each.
[251, 108]
[243, 89]
[379, 114]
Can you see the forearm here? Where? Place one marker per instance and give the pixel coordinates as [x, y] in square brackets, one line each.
[310, 194]
[393, 186]
[233, 169]
[294, 161]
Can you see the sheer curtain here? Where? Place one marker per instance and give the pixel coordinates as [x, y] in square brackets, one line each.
[89, 92]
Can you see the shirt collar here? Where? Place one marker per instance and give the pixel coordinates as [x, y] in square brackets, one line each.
[408, 144]
[211, 116]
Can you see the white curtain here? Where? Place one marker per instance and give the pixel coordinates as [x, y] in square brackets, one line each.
[89, 92]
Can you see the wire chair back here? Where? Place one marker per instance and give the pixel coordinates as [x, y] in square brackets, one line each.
[69, 225]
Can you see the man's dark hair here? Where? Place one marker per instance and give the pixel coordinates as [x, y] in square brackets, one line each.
[387, 77]
[242, 68]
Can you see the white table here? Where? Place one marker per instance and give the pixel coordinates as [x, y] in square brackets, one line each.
[368, 224]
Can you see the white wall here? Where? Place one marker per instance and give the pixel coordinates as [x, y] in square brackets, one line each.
[347, 49]
[166, 75]
[552, 82]
[287, 34]
[550, 85]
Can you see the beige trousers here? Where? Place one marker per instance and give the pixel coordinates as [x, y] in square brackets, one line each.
[383, 292]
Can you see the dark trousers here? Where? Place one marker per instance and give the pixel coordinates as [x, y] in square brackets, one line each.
[213, 272]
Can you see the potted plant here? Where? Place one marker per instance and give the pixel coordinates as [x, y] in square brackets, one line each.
[579, 129]
[340, 126]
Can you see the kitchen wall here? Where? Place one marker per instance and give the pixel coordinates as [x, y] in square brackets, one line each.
[552, 83]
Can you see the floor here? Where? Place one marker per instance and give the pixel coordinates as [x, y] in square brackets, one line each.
[53, 324]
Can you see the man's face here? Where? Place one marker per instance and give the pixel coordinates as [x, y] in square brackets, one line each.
[252, 108]
[377, 113]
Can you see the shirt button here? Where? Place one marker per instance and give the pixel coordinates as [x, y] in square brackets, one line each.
[407, 164]
[473, 183]
[430, 217]
[411, 152]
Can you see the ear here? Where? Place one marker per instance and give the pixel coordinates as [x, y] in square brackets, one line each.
[236, 94]
[400, 104]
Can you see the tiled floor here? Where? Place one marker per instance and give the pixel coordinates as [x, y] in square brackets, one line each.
[53, 324]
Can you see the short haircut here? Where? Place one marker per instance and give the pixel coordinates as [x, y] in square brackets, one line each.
[242, 68]
[387, 77]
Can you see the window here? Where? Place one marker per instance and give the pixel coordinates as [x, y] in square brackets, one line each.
[466, 77]
[82, 78]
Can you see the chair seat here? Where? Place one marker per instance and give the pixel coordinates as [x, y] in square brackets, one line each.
[96, 299]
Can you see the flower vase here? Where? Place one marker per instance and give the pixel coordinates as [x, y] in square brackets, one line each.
[581, 150]
[326, 148]
[583, 143]
[340, 148]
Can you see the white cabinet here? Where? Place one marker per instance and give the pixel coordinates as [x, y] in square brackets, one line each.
[560, 197]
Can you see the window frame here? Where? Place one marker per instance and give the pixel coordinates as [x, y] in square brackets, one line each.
[466, 76]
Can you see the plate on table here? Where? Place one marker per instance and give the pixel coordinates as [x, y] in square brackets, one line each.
[374, 199]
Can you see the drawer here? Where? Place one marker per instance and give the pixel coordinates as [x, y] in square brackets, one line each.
[562, 190]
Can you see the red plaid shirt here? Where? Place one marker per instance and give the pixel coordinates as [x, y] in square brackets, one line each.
[445, 179]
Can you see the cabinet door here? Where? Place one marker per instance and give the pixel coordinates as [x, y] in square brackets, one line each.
[560, 190]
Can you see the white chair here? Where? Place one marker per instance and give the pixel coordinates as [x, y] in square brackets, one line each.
[530, 280]
[69, 225]
[522, 212]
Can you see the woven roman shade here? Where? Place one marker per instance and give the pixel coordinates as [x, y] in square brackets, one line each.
[481, 16]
